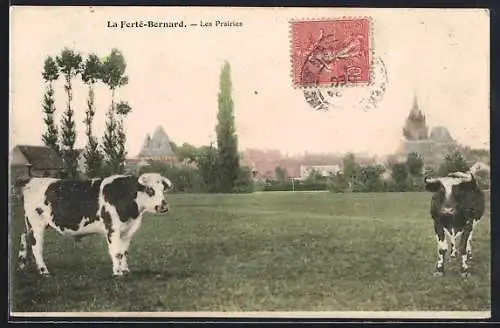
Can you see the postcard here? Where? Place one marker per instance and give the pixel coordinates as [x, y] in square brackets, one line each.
[249, 162]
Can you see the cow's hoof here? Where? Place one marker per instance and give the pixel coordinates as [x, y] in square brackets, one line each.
[438, 273]
[469, 257]
[43, 272]
[465, 274]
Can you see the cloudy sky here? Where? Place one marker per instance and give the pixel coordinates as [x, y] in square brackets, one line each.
[173, 75]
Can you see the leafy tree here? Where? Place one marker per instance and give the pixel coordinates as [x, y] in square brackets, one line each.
[207, 162]
[187, 152]
[368, 179]
[227, 143]
[50, 74]
[415, 164]
[350, 169]
[113, 75]
[173, 146]
[453, 162]
[244, 182]
[338, 183]
[109, 142]
[400, 176]
[184, 178]
[122, 109]
[69, 63]
[315, 176]
[93, 156]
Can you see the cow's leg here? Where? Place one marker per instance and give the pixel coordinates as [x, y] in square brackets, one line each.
[126, 239]
[36, 244]
[115, 251]
[26, 244]
[23, 252]
[124, 263]
[442, 247]
[469, 241]
[453, 243]
[463, 250]
[457, 239]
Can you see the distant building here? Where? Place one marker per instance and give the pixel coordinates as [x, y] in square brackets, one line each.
[37, 161]
[415, 127]
[324, 170]
[434, 147]
[157, 147]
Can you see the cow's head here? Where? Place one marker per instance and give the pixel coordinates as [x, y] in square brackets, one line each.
[153, 188]
[450, 190]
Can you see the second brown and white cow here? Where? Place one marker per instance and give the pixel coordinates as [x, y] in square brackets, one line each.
[112, 207]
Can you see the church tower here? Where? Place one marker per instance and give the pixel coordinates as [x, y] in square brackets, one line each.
[415, 127]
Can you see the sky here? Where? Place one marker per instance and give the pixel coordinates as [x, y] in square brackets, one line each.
[174, 75]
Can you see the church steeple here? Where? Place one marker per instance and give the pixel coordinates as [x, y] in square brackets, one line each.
[414, 109]
[415, 127]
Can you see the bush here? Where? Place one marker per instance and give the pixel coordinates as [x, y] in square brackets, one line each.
[244, 182]
[401, 180]
[297, 185]
[184, 178]
[338, 183]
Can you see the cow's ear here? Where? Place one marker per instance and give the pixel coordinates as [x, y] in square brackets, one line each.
[167, 184]
[432, 184]
[142, 179]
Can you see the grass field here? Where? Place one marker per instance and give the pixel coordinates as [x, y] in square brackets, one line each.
[302, 251]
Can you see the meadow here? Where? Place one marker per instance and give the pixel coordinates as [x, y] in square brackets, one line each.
[272, 251]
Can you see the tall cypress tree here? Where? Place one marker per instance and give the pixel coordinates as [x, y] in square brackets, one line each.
[227, 142]
[113, 75]
[69, 63]
[122, 110]
[93, 156]
[50, 74]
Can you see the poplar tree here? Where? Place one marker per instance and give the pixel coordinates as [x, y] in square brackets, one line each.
[93, 156]
[113, 75]
[50, 74]
[227, 142]
[69, 63]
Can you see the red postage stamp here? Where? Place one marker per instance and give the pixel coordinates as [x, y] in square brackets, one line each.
[331, 52]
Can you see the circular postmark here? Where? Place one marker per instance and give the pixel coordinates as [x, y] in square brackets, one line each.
[337, 96]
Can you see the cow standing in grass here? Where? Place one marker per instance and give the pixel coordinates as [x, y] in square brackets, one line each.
[456, 207]
[112, 207]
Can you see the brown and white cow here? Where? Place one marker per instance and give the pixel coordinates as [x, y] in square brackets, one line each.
[112, 207]
[456, 207]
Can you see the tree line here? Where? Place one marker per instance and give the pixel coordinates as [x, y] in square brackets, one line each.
[105, 155]
[403, 176]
